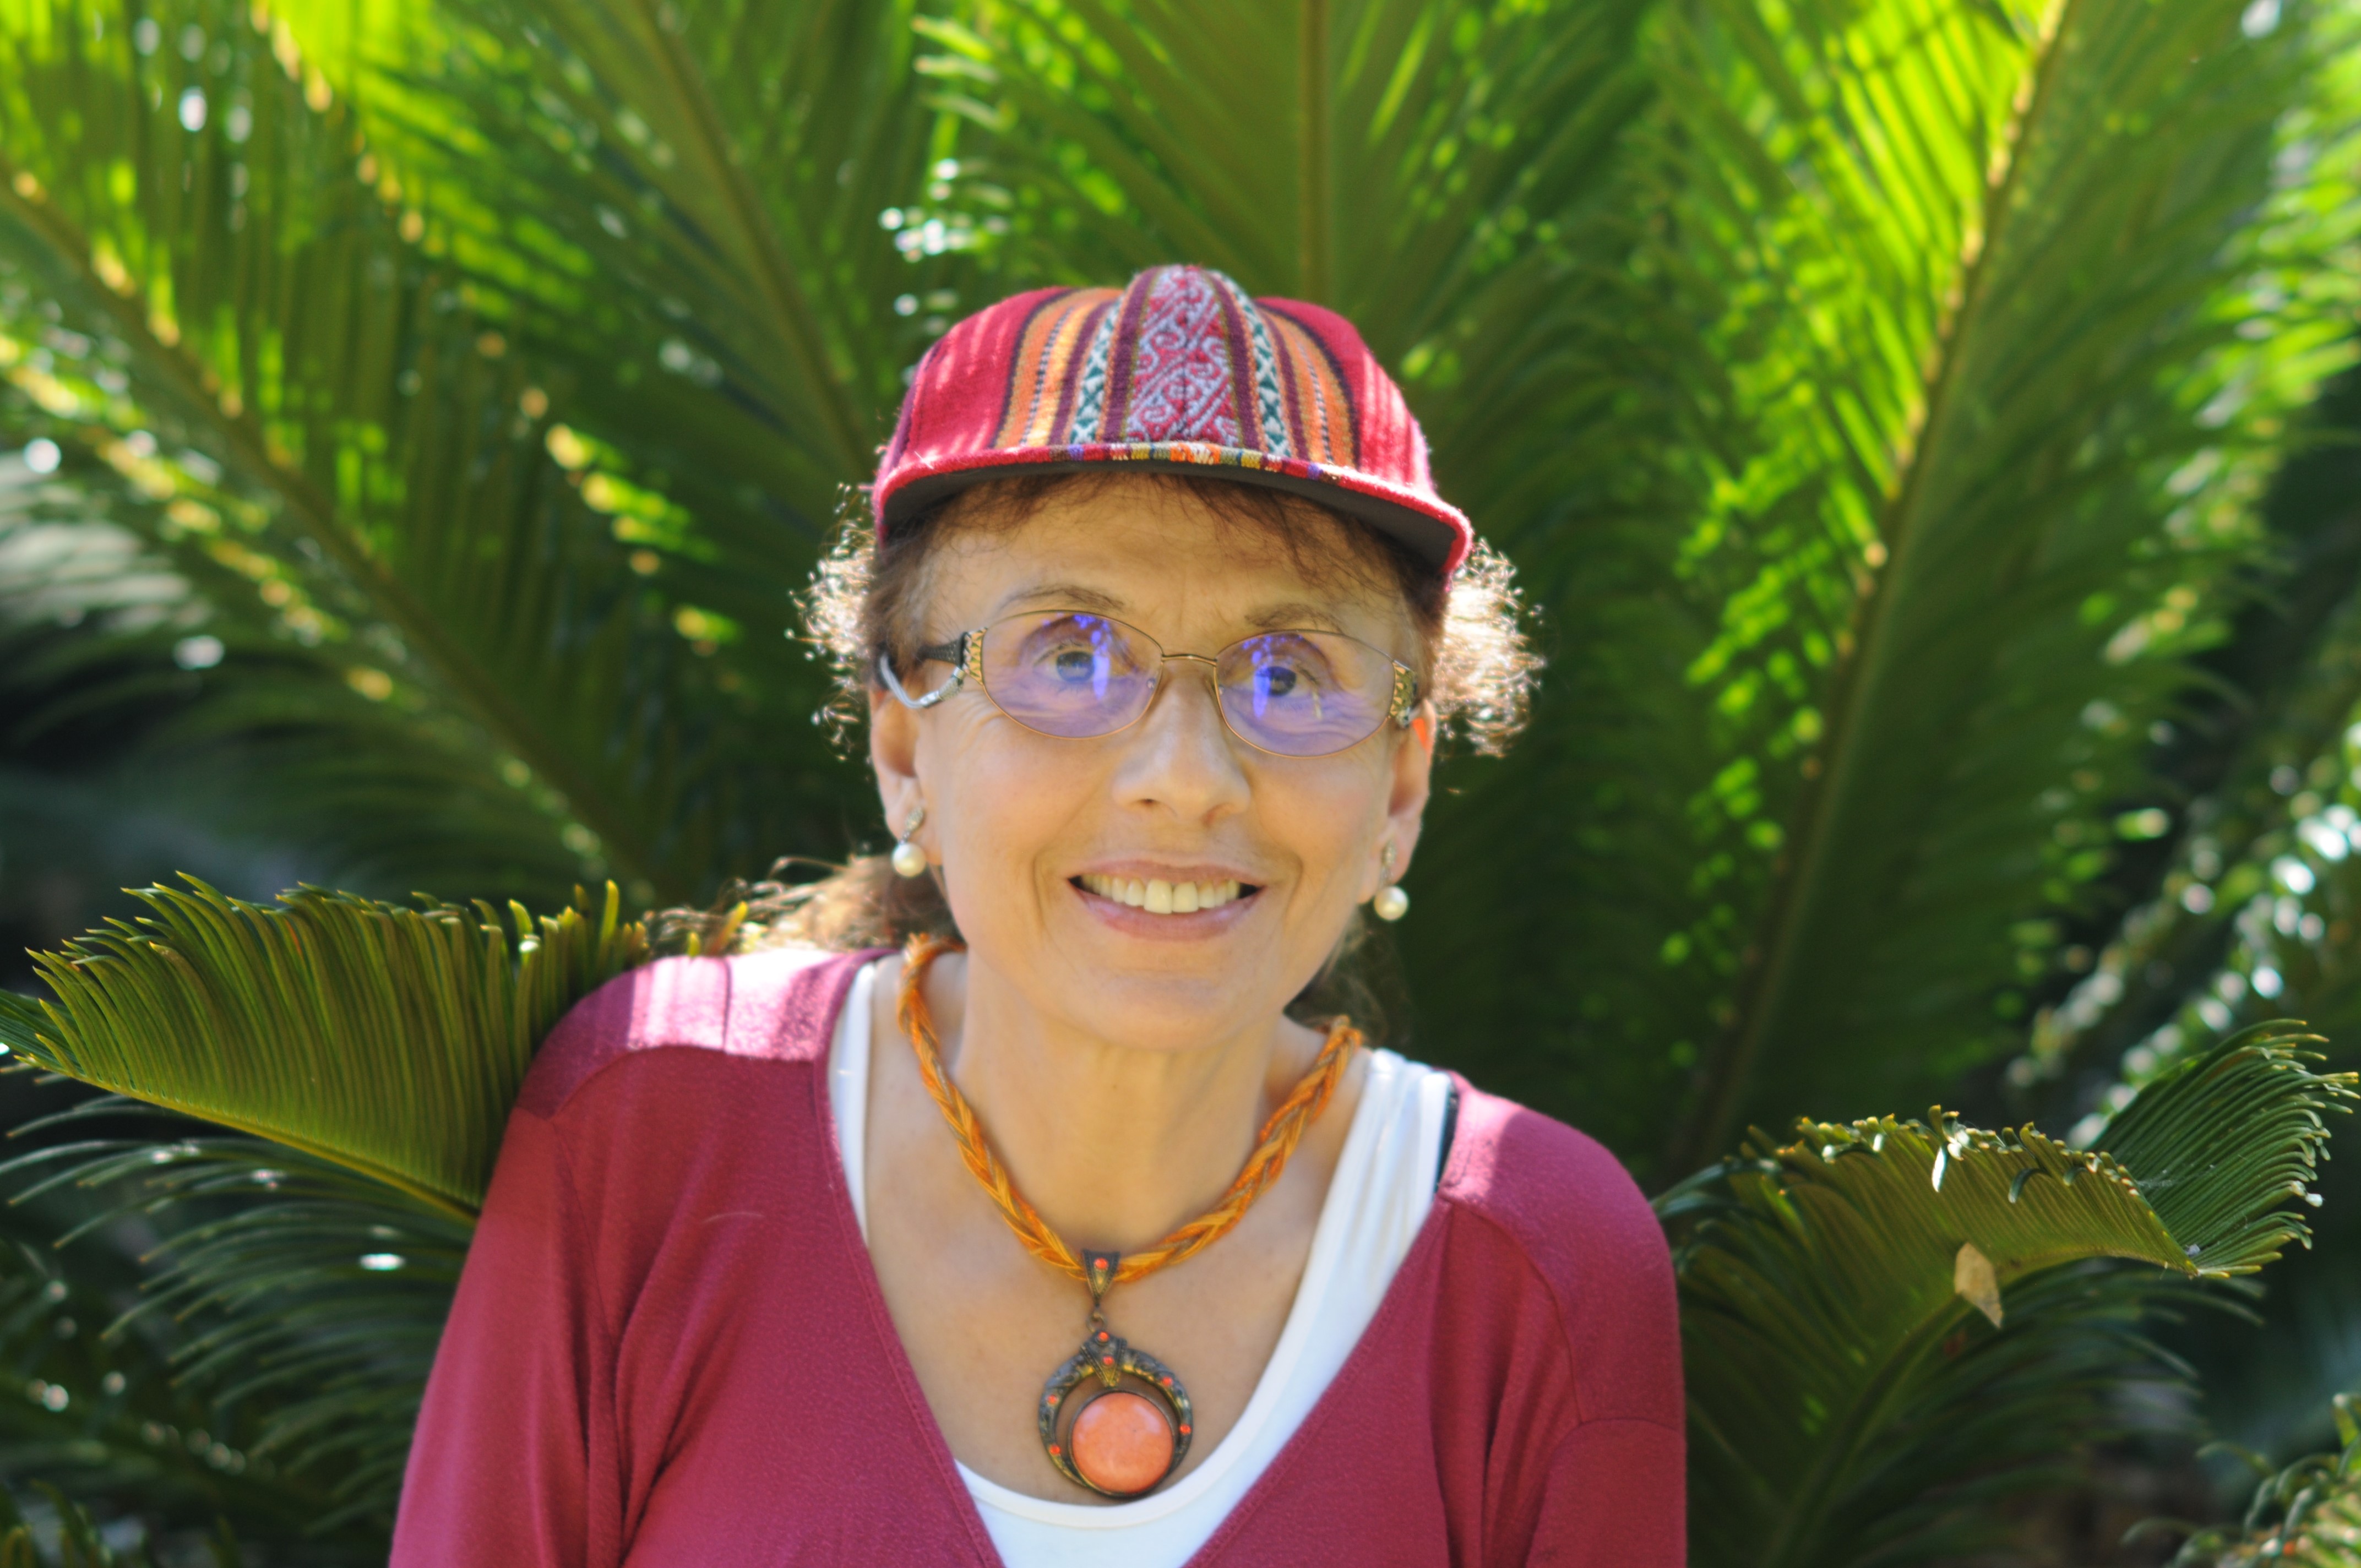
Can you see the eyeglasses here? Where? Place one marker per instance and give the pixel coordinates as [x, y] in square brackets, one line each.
[1064, 673]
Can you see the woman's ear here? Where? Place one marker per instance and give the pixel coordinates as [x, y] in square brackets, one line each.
[1412, 776]
[894, 755]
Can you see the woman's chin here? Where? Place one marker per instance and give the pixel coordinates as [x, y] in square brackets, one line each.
[1167, 981]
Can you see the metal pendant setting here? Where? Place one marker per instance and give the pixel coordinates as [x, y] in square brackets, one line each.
[1113, 1418]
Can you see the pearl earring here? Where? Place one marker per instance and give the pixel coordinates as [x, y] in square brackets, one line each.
[1390, 902]
[908, 857]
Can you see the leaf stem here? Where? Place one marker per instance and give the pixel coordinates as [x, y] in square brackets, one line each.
[1314, 236]
[773, 275]
[1796, 1539]
[1797, 894]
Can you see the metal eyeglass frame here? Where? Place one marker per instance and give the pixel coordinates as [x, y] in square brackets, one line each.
[964, 653]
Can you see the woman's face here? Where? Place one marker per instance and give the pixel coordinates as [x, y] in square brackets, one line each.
[1031, 832]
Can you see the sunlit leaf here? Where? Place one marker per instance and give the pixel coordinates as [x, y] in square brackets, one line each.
[1851, 1400]
[388, 1040]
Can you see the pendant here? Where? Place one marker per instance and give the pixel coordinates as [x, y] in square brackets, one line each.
[1113, 1418]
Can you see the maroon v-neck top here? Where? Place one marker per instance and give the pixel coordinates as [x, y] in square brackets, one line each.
[668, 1346]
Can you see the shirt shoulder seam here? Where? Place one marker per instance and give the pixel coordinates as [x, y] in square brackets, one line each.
[1460, 1205]
[577, 1233]
[648, 1051]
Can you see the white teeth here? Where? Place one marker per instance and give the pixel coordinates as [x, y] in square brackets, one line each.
[1158, 897]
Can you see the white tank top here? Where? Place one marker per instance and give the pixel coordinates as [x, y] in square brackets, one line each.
[1378, 1199]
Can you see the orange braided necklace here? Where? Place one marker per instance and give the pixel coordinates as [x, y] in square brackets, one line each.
[1130, 1429]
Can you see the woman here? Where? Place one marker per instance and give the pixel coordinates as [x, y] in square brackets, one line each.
[1086, 1234]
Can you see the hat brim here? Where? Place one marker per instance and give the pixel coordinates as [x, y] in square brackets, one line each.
[1441, 541]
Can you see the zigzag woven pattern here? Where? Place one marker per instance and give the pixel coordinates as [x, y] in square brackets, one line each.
[1179, 367]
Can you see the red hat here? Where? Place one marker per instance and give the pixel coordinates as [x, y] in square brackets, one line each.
[1180, 372]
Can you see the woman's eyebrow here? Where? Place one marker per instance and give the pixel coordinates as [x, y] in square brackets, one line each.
[1286, 614]
[1071, 594]
[1295, 613]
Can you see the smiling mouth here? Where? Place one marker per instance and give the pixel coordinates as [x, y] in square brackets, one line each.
[1160, 897]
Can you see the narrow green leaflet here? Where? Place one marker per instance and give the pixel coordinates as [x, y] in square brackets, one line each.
[2306, 1516]
[386, 1040]
[1887, 1320]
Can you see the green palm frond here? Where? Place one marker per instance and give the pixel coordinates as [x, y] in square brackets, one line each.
[388, 1040]
[1390, 159]
[2306, 1516]
[306, 1300]
[95, 1410]
[321, 398]
[1888, 1322]
[734, 162]
[184, 669]
[2252, 923]
[691, 206]
[2222, 934]
[2223, 1135]
[2015, 380]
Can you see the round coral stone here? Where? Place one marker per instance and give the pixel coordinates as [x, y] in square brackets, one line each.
[1122, 1442]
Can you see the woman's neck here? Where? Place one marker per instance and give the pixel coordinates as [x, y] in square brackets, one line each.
[1114, 1144]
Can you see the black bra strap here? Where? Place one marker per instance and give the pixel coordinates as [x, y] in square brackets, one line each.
[1450, 1130]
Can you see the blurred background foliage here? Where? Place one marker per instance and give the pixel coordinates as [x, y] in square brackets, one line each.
[1925, 429]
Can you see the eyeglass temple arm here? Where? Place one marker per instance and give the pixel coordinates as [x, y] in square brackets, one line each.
[1405, 704]
[959, 653]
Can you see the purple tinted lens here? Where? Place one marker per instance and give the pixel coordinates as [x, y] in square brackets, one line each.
[1067, 673]
[1305, 694]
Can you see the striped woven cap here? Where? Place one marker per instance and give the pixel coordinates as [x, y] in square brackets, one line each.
[1180, 372]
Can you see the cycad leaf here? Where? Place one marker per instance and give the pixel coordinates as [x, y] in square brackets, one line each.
[386, 1040]
[105, 1418]
[373, 433]
[2217, 1142]
[305, 1301]
[2012, 337]
[1838, 1289]
[99, 630]
[2306, 1516]
[689, 198]
[1386, 157]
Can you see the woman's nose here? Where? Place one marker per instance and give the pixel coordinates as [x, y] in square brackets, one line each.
[1182, 756]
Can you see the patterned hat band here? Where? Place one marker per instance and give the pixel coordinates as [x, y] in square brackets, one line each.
[1179, 372]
